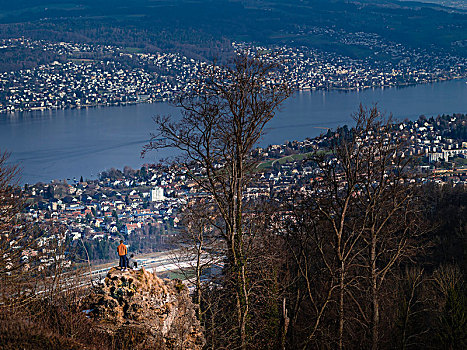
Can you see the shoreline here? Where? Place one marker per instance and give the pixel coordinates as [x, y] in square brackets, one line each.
[159, 100]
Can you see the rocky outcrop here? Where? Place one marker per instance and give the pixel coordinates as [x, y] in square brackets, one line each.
[140, 310]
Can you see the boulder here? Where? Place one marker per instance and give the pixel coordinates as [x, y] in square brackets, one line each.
[140, 310]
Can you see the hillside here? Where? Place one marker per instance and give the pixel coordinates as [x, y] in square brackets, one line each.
[203, 28]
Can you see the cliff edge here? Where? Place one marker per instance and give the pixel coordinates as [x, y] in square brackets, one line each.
[145, 312]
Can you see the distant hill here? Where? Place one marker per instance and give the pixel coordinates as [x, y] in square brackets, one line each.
[203, 28]
[459, 4]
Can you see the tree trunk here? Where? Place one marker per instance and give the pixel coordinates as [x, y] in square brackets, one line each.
[198, 284]
[243, 306]
[374, 295]
[242, 283]
[341, 306]
[285, 325]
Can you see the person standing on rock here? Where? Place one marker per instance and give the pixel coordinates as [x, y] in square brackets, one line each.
[121, 250]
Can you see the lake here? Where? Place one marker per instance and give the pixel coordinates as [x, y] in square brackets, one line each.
[83, 142]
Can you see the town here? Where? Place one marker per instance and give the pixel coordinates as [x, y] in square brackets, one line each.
[85, 75]
[144, 206]
[85, 82]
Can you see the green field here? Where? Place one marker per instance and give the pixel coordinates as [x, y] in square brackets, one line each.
[81, 60]
[283, 160]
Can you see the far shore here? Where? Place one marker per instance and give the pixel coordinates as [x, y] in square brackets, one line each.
[157, 100]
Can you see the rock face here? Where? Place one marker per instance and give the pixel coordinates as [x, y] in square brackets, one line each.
[140, 310]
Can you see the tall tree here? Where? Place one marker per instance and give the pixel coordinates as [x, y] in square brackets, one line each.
[198, 249]
[16, 239]
[389, 205]
[364, 216]
[222, 120]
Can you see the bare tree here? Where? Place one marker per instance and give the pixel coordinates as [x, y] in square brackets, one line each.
[222, 121]
[389, 205]
[337, 236]
[451, 325]
[314, 270]
[413, 308]
[198, 248]
[364, 216]
[11, 205]
[18, 241]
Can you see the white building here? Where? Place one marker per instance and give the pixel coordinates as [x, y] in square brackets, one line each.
[157, 194]
[446, 154]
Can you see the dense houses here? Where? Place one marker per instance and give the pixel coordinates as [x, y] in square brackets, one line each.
[115, 206]
[438, 144]
[308, 69]
[97, 75]
[118, 79]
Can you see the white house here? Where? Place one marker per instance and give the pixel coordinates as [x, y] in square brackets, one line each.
[157, 194]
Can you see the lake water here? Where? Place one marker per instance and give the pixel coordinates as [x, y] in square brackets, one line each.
[83, 142]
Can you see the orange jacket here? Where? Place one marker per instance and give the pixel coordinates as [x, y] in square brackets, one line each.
[121, 249]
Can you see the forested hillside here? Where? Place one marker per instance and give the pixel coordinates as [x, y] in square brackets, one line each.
[201, 27]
